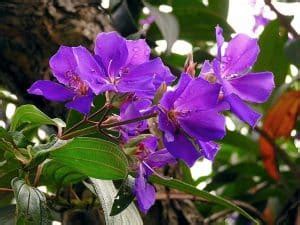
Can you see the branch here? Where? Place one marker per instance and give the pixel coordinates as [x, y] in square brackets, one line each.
[283, 20]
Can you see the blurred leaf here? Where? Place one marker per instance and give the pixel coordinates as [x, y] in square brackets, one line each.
[58, 174]
[31, 204]
[181, 186]
[124, 197]
[292, 51]
[272, 56]
[106, 192]
[279, 122]
[30, 115]
[7, 215]
[167, 24]
[220, 7]
[196, 22]
[93, 157]
[8, 169]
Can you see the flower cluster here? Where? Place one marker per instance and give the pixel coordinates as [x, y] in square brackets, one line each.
[159, 124]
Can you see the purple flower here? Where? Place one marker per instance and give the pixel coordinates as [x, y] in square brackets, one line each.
[122, 66]
[149, 159]
[130, 109]
[72, 88]
[189, 117]
[260, 20]
[231, 70]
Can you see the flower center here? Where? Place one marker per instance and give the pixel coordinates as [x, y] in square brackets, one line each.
[79, 86]
[210, 77]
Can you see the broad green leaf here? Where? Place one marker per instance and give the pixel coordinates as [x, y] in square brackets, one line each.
[219, 6]
[93, 157]
[272, 56]
[106, 192]
[167, 24]
[32, 116]
[184, 187]
[124, 197]
[292, 51]
[197, 22]
[31, 204]
[57, 174]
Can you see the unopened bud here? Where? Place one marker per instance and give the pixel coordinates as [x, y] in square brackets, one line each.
[190, 65]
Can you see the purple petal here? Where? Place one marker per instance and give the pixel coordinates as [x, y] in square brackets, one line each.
[112, 50]
[240, 54]
[220, 40]
[205, 69]
[138, 52]
[242, 110]
[198, 95]
[182, 148]
[51, 90]
[166, 126]
[170, 97]
[160, 158]
[81, 104]
[203, 125]
[90, 71]
[150, 143]
[62, 62]
[144, 192]
[140, 78]
[254, 87]
[209, 149]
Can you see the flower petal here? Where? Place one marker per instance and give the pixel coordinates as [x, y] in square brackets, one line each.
[182, 148]
[209, 149]
[166, 126]
[160, 158]
[90, 71]
[198, 95]
[240, 54]
[254, 87]
[81, 104]
[220, 40]
[61, 62]
[203, 125]
[242, 110]
[112, 50]
[140, 78]
[144, 192]
[170, 97]
[138, 52]
[51, 90]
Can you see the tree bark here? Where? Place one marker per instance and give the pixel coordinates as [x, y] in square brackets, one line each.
[32, 30]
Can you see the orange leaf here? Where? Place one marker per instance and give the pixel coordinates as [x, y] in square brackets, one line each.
[279, 122]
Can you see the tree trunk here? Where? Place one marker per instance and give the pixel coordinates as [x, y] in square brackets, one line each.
[32, 30]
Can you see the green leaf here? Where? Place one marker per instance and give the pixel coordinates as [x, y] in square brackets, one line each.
[181, 186]
[292, 51]
[8, 169]
[106, 192]
[197, 22]
[272, 56]
[57, 174]
[220, 7]
[31, 115]
[124, 197]
[93, 157]
[167, 24]
[31, 204]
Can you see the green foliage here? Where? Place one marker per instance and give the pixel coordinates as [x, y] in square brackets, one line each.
[272, 56]
[31, 204]
[106, 193]
[292, 51]
[93, 157]
[32, 117]
[187, 188]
